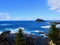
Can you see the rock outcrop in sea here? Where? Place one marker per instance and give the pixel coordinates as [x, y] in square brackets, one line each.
[39, 20]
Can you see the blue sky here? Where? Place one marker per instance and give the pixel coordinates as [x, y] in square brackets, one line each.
[29, 9]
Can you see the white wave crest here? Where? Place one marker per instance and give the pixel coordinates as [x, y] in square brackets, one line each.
[20, 28]
[45, 26]
[4, 24]
[58, 25]
[0, 32]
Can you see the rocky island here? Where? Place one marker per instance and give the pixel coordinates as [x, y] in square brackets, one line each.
[39, 20]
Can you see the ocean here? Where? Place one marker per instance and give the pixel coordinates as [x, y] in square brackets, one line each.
[28, 26]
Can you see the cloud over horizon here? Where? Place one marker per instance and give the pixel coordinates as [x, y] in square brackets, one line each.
[4, 16]
[54, 5]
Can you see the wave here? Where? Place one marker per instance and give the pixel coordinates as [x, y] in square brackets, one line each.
[4, 24]
[0, 32]
[38, 31]
[14, 30]
[20, 28]
[58, 25]
[48, 26]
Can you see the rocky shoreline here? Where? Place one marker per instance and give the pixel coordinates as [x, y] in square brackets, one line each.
[29, 39]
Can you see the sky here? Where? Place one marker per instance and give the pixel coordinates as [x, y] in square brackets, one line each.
[29, 9]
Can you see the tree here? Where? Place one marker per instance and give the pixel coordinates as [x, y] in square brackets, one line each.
[53, 33]
[20, 38]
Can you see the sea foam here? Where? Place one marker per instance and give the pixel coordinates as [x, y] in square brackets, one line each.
[45, 26]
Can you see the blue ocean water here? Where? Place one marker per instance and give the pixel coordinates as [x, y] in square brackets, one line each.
[29, 26]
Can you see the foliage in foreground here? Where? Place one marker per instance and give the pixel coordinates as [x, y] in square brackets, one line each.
[20, 38]
[53, 33]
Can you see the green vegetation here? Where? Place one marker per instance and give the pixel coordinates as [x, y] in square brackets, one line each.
[20, 38]
[53, 33]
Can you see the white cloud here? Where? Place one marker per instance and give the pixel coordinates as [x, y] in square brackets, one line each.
[4, 16]
[22, 18]
[8, 17]
[54, 5]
